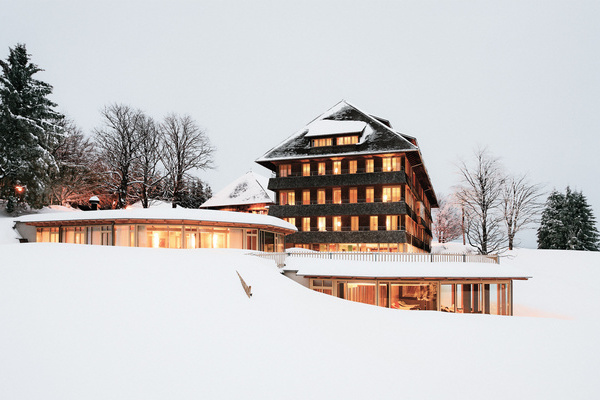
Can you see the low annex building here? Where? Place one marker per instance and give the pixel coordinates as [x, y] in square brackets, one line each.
[159, 228]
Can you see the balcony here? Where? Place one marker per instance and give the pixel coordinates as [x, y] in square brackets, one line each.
[319, 210]
[343, 179]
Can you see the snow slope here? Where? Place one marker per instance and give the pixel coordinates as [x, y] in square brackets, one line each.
[92, 322]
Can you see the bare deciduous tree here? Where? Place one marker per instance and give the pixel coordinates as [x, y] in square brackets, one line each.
[117, 145]
[520, 205]
[186, 147]
[447, 223]
[146, 170]
[480, 195]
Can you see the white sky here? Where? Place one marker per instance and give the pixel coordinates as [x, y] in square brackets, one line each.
[520, 77]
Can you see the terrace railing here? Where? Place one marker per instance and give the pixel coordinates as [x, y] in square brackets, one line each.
[280, 258]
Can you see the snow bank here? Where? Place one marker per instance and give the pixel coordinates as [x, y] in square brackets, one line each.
[99, 322]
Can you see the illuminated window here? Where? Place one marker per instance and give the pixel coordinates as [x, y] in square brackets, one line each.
[391, 193]
[337, 224]
[321, 196]
[322, 142]
[337, 167]
[370, 195]
[337, 196]
[306, 224]
[306, 197]
[353, 195]
[373, 222]
[370, 166]
[354, 223]
[321, 168]
[396, 164]
[321, 224]
[287, 198]
[391, 223]
[342, 140]
[387, 164]
[285, 170]
[306, 169]
[291, 220]
[352, 166]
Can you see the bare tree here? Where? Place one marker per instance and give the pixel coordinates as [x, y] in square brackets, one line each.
[117, 144]
[146, 169]
[447, 223]
[480, 195]
[186, 147]
[75, 180]
[521, 204]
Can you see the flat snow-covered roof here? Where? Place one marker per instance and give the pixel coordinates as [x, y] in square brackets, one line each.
[366, 269]
[183, 214]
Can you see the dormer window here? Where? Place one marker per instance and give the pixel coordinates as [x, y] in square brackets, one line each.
[322, 142]
[343, 140]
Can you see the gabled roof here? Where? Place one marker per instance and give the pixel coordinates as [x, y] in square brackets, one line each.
[250, 188]
[376, 136]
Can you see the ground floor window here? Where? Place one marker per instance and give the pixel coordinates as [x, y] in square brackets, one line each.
[479, 298]
[362, 247]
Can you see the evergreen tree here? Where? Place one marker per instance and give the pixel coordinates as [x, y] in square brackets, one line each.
[568, 223]
[29, 128]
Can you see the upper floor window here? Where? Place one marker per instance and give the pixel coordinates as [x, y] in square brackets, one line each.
[322, 142]
[291, 220]
[391, 222]
[287, 198]
[391, 164]
[352, 166]
[306, 197]
[346, 140]
[321, 224]
[373, 222]
[306, 224]
[321, 168]
[391, 193]
[337, 224]
[337, 196]
[370, 195]
[321, 196]
[337, 167]
[370, 165]
[353, 195]
[285, 170]
[306, 169]
[354, 223]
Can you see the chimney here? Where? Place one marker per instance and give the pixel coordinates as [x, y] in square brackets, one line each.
[94, 201]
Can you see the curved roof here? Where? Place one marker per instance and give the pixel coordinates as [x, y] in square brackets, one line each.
[147, 215]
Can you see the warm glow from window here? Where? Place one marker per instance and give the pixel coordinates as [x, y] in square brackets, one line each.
[321, 196]
[306, 169]
[337, 196]
[373, 222]
[287, 198]
[306, 197]
[337, 224]
[370, 165]
[391, 222]
[370, 194]
[353, 194]
[342, 140]
[306, 224]
[337, 167]
[352, 166]
[321, 224]
[155, 240]
[322, 168]
[391, 193]
[354, 223]
[285, 170]
[322, 142]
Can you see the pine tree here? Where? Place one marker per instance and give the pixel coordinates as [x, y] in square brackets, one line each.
[29, 127]
[568, 223]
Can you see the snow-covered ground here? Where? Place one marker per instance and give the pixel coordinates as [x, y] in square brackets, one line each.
[92, 322]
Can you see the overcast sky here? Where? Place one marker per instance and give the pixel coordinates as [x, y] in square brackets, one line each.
[519, 77]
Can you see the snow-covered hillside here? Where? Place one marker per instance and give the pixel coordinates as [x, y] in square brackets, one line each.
[98, 322]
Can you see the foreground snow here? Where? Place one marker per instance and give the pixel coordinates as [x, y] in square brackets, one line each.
[92, 322]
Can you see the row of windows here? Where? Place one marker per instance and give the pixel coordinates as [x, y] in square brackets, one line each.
[352, 223]
[362, 247]
[339, 141]
[337, 167]
[342, 195]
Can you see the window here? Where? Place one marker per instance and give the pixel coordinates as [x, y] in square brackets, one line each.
[287, 198]
[321, 168]
[322, 224]
[306, 197]
[352, 166]
[391, 193]
[322, 286]
[337, 167]
[252, 239]
[370, 167]
[342, 140]
[354, 223]
[391, 223]
[373, 223]
[391, 164]
[337, 224]
[306, 169]
[353, 195]
[285, 170]
[337, 195]
[321, 196]
[322, 142]
[370, 195]
[291, 220]
[306, 224]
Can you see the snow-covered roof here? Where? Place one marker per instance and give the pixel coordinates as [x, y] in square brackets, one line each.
[325, 127]
[171, 214]
[366, 269]
[250, 188]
